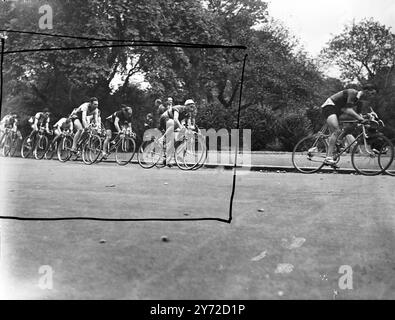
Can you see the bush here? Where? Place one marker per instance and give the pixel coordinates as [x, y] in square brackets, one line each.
[262, 122]
[293, 127]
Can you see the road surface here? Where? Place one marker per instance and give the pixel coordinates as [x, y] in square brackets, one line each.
[290, 235]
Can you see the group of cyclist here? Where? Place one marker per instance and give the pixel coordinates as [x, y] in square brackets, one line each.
[169, 118]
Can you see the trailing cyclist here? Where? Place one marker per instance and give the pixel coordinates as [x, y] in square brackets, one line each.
[9, 121]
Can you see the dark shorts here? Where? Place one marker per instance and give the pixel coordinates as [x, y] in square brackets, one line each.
[109, 125]
[77, 116]
[329, 110]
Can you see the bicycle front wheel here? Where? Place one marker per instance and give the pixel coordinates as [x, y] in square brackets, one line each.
[41, 147]
[373, 157]
[14, 144]
[91, 150]
[7, 145]
[27, 147]
[150, 153]
[51, 151]
[64, 148]
[309, 154]
[191, 154]
[125, 151]
[391, 169]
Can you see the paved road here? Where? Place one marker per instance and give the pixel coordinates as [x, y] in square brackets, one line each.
[310, 227]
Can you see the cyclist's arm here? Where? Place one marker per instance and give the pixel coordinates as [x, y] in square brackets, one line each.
[47, 125]
[176, 121]
[85, 123]
[116, 124]
[71, 127]
[351, 112]
[35, 123]
[96, 117]
[15, 126]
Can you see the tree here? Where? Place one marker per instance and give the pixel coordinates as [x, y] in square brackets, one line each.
[361, 50]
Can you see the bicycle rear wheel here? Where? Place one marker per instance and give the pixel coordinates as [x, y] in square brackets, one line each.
[27, 147]
[309, 154]
[125, 151]
[373, 158]
[150, 153]
[64, 149]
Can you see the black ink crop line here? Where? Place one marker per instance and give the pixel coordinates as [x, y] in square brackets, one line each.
[150, 42]
[237, 144]
[134, 43]
[108, 219]
[104, 46]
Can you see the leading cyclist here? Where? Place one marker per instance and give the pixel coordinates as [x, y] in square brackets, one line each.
[343, 103]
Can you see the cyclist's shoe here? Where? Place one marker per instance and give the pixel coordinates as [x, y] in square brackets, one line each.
[329, 161]
[104, 155]
[312, 150]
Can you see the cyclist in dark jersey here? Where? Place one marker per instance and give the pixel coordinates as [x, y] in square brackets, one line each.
[41, 119]
[343, 103]
[115, 122]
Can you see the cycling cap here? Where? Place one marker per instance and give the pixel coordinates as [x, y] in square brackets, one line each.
[189, 101]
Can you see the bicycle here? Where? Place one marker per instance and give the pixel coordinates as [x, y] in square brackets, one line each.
[371, 154]
[190, 151]
[36, 145]
[53, 145]
[88, 147]
[124, 147]
[9, 142]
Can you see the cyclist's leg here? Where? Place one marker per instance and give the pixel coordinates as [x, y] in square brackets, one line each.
[33, 133]
[169, 136]
[79, 129]
[109, 128]
[334, 128]
[106, 142]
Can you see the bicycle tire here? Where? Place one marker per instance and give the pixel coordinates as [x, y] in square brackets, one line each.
[190, 153]
[14, 144]
[7, 145]
[91, 150]
[373, 159]
[26, 148]
[41, 147]
[51, 150]
[391, 169]
[125, 150]
[309, 154]
[64, 149]
[150, 152]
